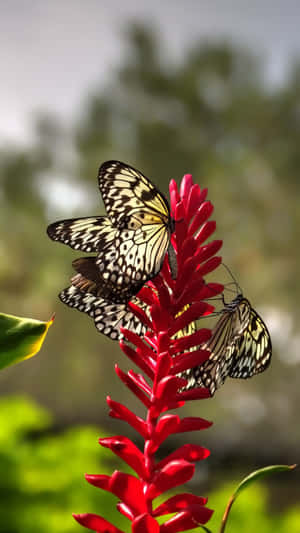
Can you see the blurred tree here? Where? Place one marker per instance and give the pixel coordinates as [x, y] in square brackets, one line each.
[211, 114]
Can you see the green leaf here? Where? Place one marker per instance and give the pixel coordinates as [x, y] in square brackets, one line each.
[262, 472]
[20, 338]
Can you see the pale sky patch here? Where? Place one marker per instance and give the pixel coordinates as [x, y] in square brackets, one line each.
[53, 53]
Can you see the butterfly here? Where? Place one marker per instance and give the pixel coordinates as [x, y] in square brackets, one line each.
[240, 347]
[108, 317]
[130, 243]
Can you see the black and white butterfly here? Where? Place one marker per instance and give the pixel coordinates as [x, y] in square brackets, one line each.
[130, 243]
[240, 347]
[108, 317]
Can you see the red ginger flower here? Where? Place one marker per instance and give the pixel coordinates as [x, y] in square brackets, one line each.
[163, 355]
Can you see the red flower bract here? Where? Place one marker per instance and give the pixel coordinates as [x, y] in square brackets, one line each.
[171, 346]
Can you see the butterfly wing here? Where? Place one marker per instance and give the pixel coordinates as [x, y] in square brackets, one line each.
[102, 279]
[108, 317]
[99, 235]
[222, 344]
[253, 349]
[213, 372]
[85, 234]
[142, 216]
[127, 193]
[111, 273]
[131, 260]
[131, 242]
[240, 347]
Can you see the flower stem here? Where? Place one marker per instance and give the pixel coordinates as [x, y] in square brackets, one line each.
[226, 513]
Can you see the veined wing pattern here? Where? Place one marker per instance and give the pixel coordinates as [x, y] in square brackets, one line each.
[130, 243]
[240, 347]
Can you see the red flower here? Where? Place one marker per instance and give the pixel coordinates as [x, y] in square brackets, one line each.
[162, 355]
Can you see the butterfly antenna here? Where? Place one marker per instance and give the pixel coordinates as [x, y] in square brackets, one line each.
[234, 282]
[227, 285]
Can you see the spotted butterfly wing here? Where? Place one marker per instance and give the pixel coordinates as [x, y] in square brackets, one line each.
[130, 199]
[108, 317]
[130, 243]
[254, 348]
[240, 347]
[142, 216]
[83, 234]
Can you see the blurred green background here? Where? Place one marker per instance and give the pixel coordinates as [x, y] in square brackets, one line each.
[217, 108]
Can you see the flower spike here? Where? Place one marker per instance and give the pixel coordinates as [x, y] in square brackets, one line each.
[170, 347]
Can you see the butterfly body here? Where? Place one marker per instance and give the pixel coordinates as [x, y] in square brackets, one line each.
[240, 347]
[130, 243]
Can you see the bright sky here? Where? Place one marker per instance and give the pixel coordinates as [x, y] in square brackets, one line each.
[52, 53]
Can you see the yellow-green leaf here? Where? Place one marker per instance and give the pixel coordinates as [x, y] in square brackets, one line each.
[254, 476]
[20, 338]
[257, 474]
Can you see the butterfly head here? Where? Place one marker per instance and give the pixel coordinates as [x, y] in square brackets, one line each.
[231, 306]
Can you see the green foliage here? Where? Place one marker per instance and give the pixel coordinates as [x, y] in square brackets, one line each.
[42, 474]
